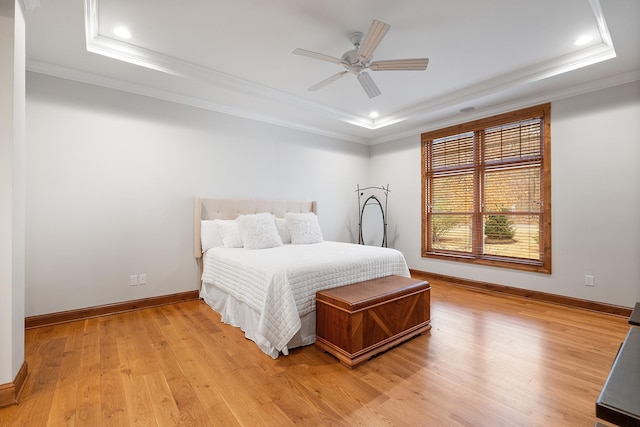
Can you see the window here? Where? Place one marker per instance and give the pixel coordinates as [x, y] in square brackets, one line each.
[487, 191]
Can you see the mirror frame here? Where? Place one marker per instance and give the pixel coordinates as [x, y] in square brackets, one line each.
[372, 201]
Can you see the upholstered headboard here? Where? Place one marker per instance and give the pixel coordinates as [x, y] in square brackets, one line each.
[212, 208]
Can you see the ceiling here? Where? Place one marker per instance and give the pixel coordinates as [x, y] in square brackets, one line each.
[235, 56]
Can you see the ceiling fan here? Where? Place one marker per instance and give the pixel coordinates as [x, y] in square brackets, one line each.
[360, 59]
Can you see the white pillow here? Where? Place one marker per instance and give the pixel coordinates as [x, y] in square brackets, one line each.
[229, 233]
[283, 231]
[258, 231]
[209, 236]
[304, 228]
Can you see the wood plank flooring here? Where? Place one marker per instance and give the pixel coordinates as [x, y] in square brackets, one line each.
[490, 360]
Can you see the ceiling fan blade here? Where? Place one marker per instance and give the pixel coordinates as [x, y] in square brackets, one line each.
[417, 64]
[316, 55]
[372, 40]
[368, 85]
[327, 81]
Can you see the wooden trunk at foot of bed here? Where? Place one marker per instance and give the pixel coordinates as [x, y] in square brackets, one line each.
[357, 321]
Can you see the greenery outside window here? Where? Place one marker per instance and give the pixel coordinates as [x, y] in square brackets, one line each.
[487, 191]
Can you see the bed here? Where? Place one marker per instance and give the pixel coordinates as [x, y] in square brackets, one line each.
[266, 285]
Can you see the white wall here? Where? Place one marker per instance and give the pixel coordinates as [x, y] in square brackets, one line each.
[112, 177]
[595, 163]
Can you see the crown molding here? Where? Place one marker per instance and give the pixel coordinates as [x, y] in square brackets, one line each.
[111, 83]
[103, 45]
[422, 126]
[554, 67]
[116, 49]
[126, 52]
[568, 92]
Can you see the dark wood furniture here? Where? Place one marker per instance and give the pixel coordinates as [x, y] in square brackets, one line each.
[619, 400]
[634, 319]
[358, 321]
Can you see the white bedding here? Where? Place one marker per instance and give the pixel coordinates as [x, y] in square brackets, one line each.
[279, 284]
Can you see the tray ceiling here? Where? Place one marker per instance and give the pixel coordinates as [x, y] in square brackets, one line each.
[236, 56]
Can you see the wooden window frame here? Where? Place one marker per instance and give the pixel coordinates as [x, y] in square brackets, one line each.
[543, 265]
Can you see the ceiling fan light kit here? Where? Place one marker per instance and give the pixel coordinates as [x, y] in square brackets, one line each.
[358, 60]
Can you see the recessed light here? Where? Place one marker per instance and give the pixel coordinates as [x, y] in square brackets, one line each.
[122, 32]
[374, 115]
[582, 40]
[467, 109]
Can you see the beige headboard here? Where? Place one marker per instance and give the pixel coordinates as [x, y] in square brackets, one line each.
[212, 208]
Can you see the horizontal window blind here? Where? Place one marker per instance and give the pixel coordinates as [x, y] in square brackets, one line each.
[486, 191]
[453, 151]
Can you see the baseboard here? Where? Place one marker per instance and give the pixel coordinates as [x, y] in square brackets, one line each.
[527, 293]
[10, 393]
[105, 310]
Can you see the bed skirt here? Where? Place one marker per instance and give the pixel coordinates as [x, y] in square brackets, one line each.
[236, 313]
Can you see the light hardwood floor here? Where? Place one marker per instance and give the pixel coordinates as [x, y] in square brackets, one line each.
[490, 360]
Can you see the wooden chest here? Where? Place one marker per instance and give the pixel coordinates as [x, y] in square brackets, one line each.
[358, 321]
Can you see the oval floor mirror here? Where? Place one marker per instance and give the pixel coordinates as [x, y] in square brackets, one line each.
[373, 222]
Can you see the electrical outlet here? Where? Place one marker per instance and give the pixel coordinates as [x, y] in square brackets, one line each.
[133, 280]
[589, 280]
[142, 279]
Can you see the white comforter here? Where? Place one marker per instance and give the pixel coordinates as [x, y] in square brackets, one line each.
[280, 283]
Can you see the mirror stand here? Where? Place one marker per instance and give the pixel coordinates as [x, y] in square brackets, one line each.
[372, 223]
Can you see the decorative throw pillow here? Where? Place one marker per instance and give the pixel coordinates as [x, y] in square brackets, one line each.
[258, 231]
[283, 231]
[209, 236]
[229, 233]
[304, 228]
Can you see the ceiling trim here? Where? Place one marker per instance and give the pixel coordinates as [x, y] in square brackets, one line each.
[101, 44]
[121, 85]
[98, 80]
[620, 79]
[563, 64]
[542, 71]
[107, 46]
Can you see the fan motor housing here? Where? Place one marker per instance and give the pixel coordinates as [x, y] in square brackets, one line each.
[351, 63]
